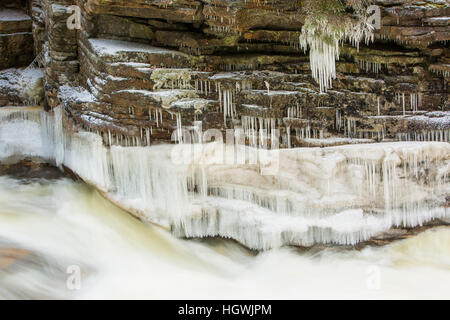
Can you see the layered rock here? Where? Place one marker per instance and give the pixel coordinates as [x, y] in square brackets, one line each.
[223, 45]
[18, 86]
[15, 38]
[219, 62]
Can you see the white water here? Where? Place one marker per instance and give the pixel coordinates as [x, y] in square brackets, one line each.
[64, 223]
[338, 195]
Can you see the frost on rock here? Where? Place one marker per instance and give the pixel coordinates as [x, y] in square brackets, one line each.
[339, 195]
[171, 78]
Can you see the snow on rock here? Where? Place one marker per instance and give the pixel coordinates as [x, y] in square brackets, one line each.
[437, 120]
[335, 141]
[105, 47]
[165, 97]
[75, 94]
[13, 15]
[31, 85]
[27, 84]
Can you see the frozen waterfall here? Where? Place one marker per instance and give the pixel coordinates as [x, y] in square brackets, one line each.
[339, 195]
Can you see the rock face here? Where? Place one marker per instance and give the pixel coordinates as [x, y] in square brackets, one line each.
[239, 64]
[15, 38]
[137, 71]
[18, 86]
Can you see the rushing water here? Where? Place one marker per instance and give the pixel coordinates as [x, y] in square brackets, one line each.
[60, 224]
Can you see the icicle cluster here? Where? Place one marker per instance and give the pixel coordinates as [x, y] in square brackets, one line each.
[203, 86]
[294, 112]
[308, 133]
[440, 71]
[323, 37]
[258, 131]
[226, 104]
[322, 59]
[370, 66]
[425, 135]
[415, 101]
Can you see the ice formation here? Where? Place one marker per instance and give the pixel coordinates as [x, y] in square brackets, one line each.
[322, 56]
[442, 70]
[226, 104]
[340, 195]
[323, 38]
[258, 130]
[27, 84]
[370, 66]
[426, 135]
[415, 101]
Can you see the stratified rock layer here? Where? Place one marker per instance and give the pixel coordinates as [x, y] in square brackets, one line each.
[238, 65]
[15, 38]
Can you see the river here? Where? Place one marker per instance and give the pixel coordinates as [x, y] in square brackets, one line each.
[59, 239]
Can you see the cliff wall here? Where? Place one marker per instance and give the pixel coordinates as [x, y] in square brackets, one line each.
[238, 64]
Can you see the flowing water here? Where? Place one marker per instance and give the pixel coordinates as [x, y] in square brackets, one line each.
[49, 228]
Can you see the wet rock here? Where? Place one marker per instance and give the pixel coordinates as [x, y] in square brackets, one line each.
[31, 170]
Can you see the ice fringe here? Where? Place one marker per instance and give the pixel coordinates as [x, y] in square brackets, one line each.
[340, 195]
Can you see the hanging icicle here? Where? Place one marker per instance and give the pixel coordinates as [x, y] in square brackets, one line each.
[226, 104]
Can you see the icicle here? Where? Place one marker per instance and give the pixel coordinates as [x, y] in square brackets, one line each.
[147, 135]
[59, 136]
[179, 128]
[378, 105]
[226, 103]
[322, 56]
[267, 87]
[403, 103]
[288, 131]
